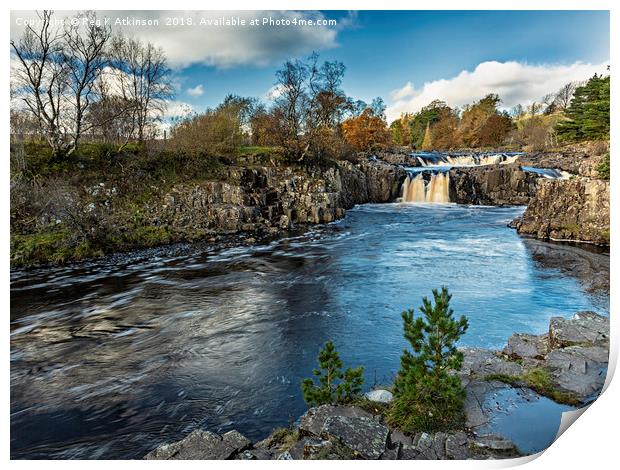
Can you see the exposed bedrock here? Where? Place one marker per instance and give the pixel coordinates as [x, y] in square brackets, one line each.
[267, 199]
[492, 185]
[576, 209]
[580, 159]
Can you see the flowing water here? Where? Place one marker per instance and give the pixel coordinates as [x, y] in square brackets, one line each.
[111, 358]
[426, 186]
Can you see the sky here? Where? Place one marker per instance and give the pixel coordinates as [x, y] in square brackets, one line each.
[408, 58]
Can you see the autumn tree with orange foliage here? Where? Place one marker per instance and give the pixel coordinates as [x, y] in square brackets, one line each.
[366, 131]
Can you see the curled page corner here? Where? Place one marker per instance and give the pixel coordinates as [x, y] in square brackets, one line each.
[568, 418]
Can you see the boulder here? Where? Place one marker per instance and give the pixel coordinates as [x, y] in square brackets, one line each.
[430, 446]
[392, 453]
[438, 446]
[584, 328]
[313, 421]
[254, 454]
[366, 437]
[495, 444]
[522, 346]
[202, 445]
[457, 446]
[480, 362]
[579, 370]
[379, 396]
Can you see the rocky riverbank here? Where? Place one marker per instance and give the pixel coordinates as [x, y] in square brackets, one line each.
[574, 210]
[260, 198]
[567, 364]
[258, 201]
[267, 199]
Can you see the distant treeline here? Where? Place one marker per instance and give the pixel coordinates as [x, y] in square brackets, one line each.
[576, 112]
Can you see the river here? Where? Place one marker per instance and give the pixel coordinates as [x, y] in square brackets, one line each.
[113, 357]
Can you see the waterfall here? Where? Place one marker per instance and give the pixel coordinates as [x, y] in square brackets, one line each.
[465, 159]
[416, 189]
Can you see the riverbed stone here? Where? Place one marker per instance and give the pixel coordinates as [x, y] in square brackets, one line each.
[584, 328]
[479, 362]
[379, 396]
[578, 370]
[397, 437]
[430, 446]
[525, 346]
[202, 445]
[495, 444]
[363, 435]
[312, 422]
[457, 446]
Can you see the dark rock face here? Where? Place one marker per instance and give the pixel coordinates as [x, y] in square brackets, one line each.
[268, 199]
[568, 210]
[492, 185]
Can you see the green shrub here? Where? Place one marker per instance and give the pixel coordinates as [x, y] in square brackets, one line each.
[428, 396]
[603, 167]
[334, 386]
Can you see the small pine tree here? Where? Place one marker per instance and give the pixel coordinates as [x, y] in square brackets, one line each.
[334, 386]
[428, 396]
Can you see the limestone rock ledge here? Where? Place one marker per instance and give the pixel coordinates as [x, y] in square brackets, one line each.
[576, 209]
[269, 199]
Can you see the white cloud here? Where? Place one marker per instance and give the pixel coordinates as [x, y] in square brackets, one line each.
[198, 90]
[514, 82]
[403, 92]
[274, 92]
[223, 46]
[178, 109]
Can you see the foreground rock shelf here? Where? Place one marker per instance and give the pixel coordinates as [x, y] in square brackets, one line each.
[568, 364]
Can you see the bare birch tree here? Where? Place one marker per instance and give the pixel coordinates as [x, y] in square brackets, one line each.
[143, 78]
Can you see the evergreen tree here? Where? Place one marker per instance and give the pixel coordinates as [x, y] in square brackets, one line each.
[588, 113]
[334, 386]
[428, 396]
